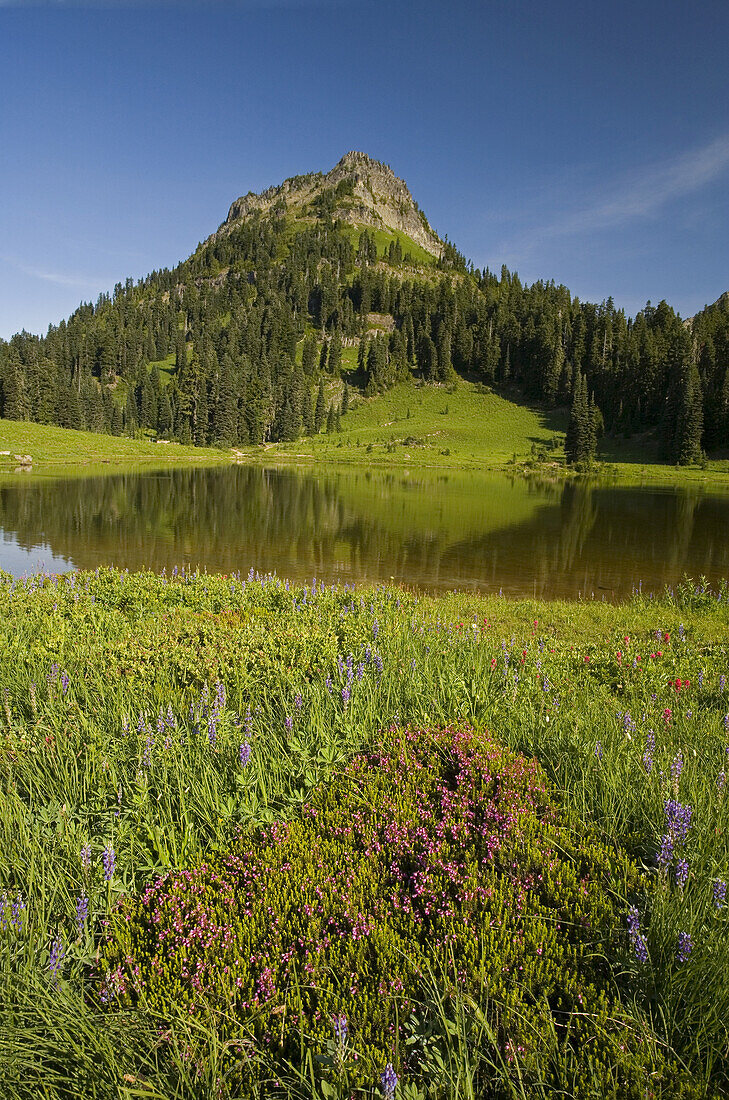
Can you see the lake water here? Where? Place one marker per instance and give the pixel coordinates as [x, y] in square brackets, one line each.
[436, 531]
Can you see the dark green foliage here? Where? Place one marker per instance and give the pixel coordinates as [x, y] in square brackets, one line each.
[320, 408]
[585, 424]
[440, 854]
[689, 419]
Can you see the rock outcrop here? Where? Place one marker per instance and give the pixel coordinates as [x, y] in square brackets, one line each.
[359, 190]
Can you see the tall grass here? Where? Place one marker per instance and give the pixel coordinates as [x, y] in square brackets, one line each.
[109, 682]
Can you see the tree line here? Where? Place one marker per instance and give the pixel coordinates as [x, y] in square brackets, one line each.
[234, 345]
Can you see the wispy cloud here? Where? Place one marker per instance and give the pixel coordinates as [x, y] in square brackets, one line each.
[641, 193]
[59, 278]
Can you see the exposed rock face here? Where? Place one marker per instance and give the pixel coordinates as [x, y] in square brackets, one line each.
[363, 191]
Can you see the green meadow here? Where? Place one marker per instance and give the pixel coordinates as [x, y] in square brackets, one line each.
[62, 450]
[258, 840]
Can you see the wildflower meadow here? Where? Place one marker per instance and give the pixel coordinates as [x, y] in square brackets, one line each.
[323, 841]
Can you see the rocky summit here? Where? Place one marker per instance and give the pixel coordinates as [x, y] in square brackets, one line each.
[358, 190]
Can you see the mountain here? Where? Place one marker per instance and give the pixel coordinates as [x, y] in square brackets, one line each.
[360, 191]
[328, 289]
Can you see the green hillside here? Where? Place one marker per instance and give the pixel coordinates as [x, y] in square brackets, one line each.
[55, 449]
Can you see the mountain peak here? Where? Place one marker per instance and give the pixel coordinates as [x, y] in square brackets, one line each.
[361, 191]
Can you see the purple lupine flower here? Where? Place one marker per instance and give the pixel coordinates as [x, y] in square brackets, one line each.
[341, 1030]
[109, 863]
[55, 960]
[248, 722]
[86, 857]
[245, 753]
[678, 818]
[212, 729]
[368, 654]
[389, 1081]
[650, 748]
[148, 747]
[701, 678]
[722, 683]
[637, 940]
[289, 723]
[640, 948]
[65, 681]
[681, 630]
[726, 722]
[719, 893]
[378, 663]
[665, 855]
[685, 944]
[360, 671]
[346, 695]
[598, 750]
[298, 701]
[171, 720]
[677, 767]
[82, 913]
[682, 870]
[16, 912]
[721, 781]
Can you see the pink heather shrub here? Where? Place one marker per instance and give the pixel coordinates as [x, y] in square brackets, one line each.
[437, 865]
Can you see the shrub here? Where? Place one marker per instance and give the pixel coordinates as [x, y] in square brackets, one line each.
[440, 854]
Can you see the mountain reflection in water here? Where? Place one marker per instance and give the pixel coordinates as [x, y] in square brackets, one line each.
[433, 530]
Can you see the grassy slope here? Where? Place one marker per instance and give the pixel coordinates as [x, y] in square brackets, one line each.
[479, 429]
[53, 448]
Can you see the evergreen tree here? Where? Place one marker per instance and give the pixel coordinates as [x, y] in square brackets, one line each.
[345, 399]
[117, 420]
[689, 425]
[334, 361]
[578, 440]
[307, 411]
[320, 408]
[308, 355]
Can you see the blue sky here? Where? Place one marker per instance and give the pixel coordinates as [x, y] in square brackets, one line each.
[584, 142]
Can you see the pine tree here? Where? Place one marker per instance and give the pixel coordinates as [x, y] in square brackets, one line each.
[117, 420]
[308, 355]
[345, 399]
[330, 419]
[334, 361]
[307, 412]
[320, 409]
[578, 439]
[444, 365]
[689, 422]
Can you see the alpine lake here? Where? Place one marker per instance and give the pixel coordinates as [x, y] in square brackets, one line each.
[432, 530]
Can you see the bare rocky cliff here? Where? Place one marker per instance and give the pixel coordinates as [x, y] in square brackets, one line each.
[362, 191]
